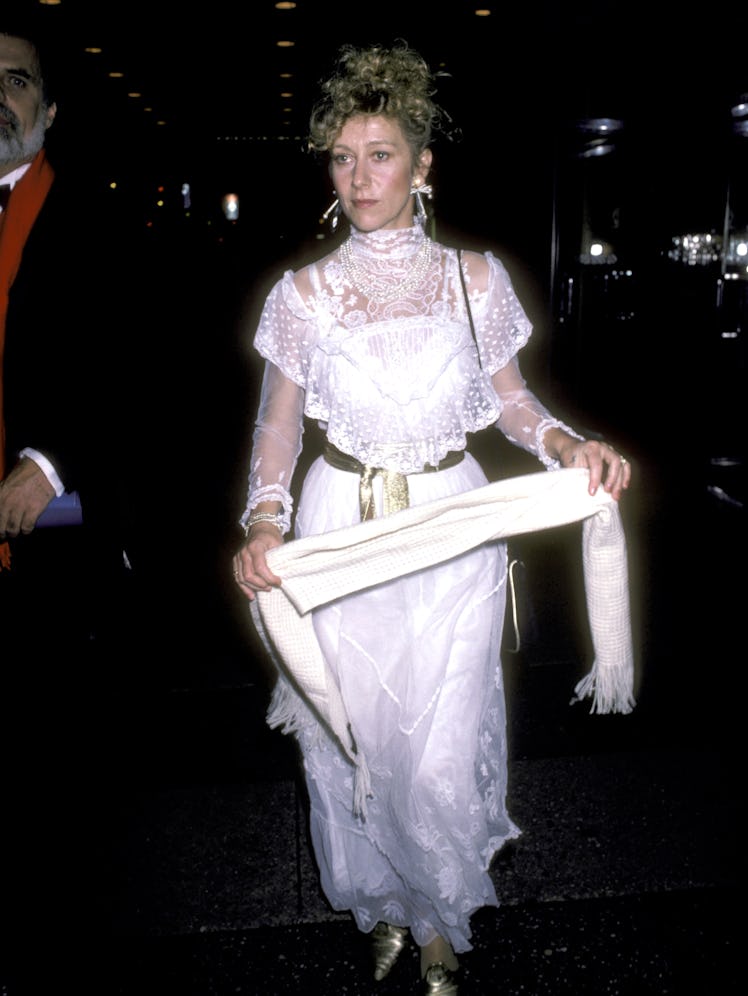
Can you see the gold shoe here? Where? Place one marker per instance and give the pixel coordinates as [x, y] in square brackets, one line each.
[386, 942]
[439, 981]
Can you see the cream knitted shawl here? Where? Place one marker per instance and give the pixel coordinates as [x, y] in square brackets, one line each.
[317, 569]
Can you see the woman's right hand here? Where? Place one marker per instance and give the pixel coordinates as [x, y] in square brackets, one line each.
[251, 571]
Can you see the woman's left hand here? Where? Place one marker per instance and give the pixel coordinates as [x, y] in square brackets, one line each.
[606, 465]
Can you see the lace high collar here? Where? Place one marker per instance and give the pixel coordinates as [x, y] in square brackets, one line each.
[387, 243]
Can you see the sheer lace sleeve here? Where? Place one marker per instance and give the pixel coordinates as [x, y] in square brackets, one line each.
[276, 443]
[524, 419]
[502, 329]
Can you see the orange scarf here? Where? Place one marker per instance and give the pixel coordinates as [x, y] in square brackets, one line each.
[16, 222]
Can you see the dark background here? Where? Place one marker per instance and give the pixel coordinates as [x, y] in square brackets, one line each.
[522, 86]
[517, 84]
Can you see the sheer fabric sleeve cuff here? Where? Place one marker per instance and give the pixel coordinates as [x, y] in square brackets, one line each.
[551, 423]
[270, 493]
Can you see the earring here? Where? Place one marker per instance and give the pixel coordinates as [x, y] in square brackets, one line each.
[333, 210]
[419, 189]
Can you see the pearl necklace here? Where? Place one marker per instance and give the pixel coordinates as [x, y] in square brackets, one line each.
[373, 286]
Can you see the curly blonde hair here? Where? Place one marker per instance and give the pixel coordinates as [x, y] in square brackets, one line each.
[395, 82]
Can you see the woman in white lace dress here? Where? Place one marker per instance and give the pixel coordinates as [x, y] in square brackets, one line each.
[373, 342]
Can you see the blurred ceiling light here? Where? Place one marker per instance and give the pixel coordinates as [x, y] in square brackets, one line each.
[599, 126]
[483, 12]
[598, 136]
[597, 149]
[230, 206]
[739, 113]
[285, 44]
[285, 5]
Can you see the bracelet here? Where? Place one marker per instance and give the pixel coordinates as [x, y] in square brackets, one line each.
[275, 517]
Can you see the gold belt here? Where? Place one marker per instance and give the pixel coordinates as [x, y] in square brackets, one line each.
[395, 484]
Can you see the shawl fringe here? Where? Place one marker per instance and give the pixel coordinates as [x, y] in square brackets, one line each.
[288, 713]
[285, 710]
[609, 689]
[610, 681]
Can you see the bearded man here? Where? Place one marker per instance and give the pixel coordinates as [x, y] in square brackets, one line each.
[26, 178]
[62, 580]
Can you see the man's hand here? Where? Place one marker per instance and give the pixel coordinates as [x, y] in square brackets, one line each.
[24, 494]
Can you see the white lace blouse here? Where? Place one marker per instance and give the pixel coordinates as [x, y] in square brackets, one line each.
[397, 385]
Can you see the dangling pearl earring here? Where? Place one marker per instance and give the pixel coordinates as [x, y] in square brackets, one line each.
[418, 189]
[333, 210]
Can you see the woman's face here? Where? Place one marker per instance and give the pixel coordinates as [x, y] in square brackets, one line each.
[371, 165]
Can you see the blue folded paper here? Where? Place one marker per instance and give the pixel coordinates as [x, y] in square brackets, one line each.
[63, 511]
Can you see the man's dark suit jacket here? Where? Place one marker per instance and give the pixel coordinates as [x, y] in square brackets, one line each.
[64, 376]
[47, 329]
[63, 610]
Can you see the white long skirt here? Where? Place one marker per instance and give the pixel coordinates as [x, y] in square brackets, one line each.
[418, 663]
